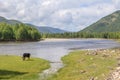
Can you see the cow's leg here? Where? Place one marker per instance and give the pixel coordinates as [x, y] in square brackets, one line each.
[28, 57]
[23, 58]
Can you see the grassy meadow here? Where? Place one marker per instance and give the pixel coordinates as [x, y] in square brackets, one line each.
[14, 68]
[84, 65]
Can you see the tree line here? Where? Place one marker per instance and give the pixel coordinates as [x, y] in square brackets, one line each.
[106, 35]
[18, 32]
[23, 32]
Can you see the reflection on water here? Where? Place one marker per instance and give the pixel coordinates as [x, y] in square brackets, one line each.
[54, 50]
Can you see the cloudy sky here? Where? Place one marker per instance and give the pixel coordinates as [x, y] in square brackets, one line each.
[71, 15]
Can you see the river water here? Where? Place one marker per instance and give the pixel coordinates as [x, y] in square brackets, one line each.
[54, 50]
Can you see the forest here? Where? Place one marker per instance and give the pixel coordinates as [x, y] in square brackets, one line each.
[18, 32]
[23, 32]
[106, 35]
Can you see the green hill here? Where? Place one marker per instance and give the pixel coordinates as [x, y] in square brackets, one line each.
[42, 29]
[2, 19]
[110, 23]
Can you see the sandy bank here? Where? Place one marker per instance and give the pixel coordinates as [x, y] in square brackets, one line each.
[56, 39]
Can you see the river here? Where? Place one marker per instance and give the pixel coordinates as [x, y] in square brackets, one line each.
[53, 50]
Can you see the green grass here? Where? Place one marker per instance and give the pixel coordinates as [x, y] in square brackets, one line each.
[14, 68]
[79, 66]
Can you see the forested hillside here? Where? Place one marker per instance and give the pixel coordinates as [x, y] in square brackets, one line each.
[110, 23]
[11, 21]
[18, 32]
[108, 27]
[42, 29]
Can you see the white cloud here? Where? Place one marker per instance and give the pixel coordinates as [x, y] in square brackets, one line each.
[116, 3]
[71, 15]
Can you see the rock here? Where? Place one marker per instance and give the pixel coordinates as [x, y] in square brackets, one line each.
[82, 71]
[105, 55]
[92, 78]
[113, 51]
[92, 53]
[115, 75]
[118, 59]
[118, 64]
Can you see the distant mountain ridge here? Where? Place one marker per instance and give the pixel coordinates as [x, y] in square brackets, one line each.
[43, 29]
[2, 19]
[46, 29]
[110, 23]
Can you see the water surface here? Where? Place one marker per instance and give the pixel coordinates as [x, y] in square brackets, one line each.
[54, 50]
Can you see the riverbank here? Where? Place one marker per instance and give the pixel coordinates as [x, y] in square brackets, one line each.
[55, 39]
[88, 65]
[14, 68]
[53, 51]
[66, 39]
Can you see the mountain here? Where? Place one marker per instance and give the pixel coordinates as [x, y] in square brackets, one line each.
[110, 23]
[43, 29]
[2, 19]
[46, 29]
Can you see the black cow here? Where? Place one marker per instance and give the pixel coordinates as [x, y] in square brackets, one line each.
[26, 55]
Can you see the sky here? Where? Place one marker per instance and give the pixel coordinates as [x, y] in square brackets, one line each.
[70, 15]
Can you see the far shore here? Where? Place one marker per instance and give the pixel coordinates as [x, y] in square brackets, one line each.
[56, 39]
[66, 39]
